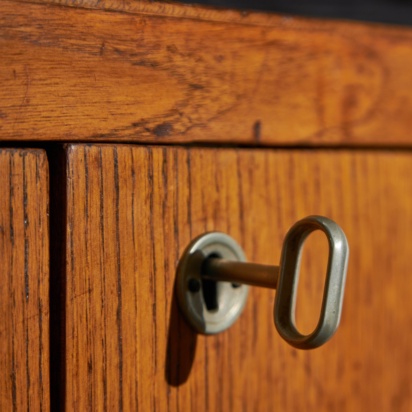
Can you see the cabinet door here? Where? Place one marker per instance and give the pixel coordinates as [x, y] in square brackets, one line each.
[24, 281]
[132, 210]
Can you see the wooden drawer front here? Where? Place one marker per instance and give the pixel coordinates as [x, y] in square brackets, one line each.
[24, 281]
[132, 210]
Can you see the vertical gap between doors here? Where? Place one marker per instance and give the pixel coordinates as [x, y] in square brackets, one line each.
[57, 220]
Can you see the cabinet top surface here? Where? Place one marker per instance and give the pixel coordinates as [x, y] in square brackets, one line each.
[166, 73]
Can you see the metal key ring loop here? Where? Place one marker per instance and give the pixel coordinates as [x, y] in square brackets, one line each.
[285, 302]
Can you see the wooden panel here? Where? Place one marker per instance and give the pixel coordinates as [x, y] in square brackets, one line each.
[132, 211]
[24, 281]
[133, 74]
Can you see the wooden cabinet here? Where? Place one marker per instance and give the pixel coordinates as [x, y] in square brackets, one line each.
[158, 123]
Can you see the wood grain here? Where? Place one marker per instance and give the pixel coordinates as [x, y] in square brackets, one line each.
[132, 73]
[132, 211]
[24, 281]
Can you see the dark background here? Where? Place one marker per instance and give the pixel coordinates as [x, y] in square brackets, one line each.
[385, 11]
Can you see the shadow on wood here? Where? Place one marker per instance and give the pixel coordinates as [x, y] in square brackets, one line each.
[181, 347]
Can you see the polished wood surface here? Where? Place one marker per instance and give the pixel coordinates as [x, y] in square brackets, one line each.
[24, 281]
[132, 211]
[157, 72]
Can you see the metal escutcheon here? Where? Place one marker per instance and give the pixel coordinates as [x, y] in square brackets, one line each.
[231, 298]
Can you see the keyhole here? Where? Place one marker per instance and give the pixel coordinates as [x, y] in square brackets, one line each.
[209, 290]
